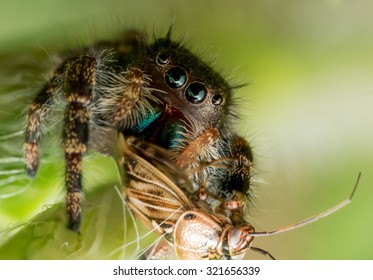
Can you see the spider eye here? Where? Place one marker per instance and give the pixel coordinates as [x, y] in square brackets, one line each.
[217, 99]
[196, 93]
[176, 77]
[162, 58]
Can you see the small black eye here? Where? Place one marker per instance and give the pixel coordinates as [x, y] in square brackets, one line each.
[217, 99]
[196, 93]
[176, 77]
[162, 58]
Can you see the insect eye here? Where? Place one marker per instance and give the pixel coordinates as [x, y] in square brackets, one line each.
[217, 99]
[235, 237]
[196, 93]
[162, 58]
[176, 77]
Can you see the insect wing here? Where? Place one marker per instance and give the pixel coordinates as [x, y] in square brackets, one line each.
[151, 194]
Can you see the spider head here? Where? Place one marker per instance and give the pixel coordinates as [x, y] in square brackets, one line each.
[192, 93]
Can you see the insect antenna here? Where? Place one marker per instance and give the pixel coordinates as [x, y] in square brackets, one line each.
[152, 247]
[313, 218]
[138, 238]
[125, 209]
[137, 241]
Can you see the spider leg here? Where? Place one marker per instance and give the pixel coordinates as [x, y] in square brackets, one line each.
[235, 167]
[237, 174]
[198, 146]
[79, 86]
[133, 89]
[240, 171]
[39, 110]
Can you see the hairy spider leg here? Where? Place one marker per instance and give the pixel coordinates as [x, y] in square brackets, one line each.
[238, 174]
[79, 86]
[38, 111]
[236, 165]
[198, 146]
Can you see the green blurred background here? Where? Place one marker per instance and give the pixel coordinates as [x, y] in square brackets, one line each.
[308, 114]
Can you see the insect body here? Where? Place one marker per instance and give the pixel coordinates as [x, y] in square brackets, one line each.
[160, 203]
[156, 193]
[158, 92]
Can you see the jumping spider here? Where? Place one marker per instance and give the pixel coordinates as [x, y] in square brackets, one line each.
[159, 92]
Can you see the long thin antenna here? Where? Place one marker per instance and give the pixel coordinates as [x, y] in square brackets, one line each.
[311, 219]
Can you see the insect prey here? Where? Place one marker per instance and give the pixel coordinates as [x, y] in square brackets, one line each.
[157, 193]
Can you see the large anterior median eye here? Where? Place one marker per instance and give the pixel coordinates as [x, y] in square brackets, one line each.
[196, 93]
[176, 77]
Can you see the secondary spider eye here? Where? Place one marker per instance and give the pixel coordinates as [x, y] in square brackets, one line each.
[162, 58]
[196, 93]
[176, 77]
[217, 99]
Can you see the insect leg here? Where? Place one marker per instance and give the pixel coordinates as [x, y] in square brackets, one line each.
[262, 252]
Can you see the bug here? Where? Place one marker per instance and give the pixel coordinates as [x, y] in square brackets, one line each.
[159, 92]
[194, 230]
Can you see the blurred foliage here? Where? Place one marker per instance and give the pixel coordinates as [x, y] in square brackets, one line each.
[307, 114]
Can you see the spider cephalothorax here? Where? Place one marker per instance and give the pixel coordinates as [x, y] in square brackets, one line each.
[158, 92]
